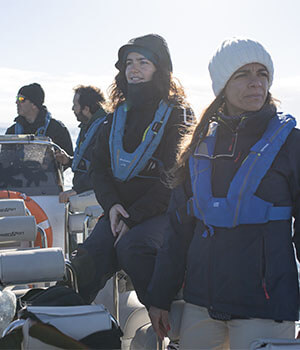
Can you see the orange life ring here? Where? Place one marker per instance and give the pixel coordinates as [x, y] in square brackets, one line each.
[39, 214]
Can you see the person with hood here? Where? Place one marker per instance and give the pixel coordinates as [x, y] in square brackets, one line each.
[88, 107]
[136, 143]
[34, 118]
[229, 240]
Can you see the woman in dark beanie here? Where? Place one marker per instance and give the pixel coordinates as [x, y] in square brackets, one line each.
[229, 239]
[135, 145]
[34, 118]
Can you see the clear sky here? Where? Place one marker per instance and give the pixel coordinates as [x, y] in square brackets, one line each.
[62, 43]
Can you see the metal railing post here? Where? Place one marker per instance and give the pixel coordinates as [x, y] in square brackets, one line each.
[116, 296]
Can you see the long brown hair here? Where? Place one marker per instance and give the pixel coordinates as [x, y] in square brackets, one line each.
[195, 134]
[170, 88]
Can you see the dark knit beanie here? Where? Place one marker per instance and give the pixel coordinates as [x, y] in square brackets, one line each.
[34, 93]
[152, 46]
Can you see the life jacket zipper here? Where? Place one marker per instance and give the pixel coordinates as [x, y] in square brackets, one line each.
[278, 130]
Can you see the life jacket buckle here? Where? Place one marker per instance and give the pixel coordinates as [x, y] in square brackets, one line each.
[156, 127]
[209, 231]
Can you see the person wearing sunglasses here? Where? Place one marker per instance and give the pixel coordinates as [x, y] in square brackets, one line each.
[135, 144]
[34, 118]
[236, 190]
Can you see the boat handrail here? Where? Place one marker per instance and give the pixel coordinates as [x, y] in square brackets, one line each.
[30, 141]
[28, 137]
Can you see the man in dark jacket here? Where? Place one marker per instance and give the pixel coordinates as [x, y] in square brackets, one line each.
[88, 108]
[34, 118]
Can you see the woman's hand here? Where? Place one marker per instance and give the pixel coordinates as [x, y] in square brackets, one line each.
[160, 321]
[117, 225]
[122, 229]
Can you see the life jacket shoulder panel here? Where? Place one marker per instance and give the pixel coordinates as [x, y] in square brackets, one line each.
[81, 147]
[126, 165]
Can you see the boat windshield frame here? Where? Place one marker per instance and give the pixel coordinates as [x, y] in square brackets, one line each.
[32, 179]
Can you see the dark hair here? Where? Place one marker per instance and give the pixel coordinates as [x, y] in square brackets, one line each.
[193, 137]
[170, 89]
[90, 96]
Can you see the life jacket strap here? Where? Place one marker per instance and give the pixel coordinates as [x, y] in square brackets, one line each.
[280, 213]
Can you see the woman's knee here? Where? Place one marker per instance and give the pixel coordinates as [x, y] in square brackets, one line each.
[125, 248]
[140, 244]
[133, 246]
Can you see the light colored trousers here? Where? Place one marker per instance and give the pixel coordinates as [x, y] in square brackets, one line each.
[199, 331]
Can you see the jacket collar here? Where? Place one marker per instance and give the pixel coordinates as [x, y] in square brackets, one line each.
[39, 121]
[100, 113]
[250, 122]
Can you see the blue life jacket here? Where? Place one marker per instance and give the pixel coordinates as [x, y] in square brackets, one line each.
[41, 131]
[126, 165]
[81, 147]
[241, 206]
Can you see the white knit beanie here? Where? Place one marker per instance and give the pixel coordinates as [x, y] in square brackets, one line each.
[233, 54]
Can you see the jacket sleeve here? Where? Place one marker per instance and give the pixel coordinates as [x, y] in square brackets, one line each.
[294, 183]
[10, 130]
[61, 136]
[169, 270]
[100, 169]
[67, 144]
[159, 194]
[82, 182]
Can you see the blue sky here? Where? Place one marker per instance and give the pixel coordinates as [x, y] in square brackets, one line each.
[62, 43]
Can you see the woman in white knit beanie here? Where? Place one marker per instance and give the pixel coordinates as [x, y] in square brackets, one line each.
[236, 190]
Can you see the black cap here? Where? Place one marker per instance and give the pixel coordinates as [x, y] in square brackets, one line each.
[152, 46]
[34, 93]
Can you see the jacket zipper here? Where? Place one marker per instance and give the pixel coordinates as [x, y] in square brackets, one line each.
[264, 285]
[210, 289]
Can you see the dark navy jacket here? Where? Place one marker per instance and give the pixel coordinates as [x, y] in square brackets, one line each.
[246, 271]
